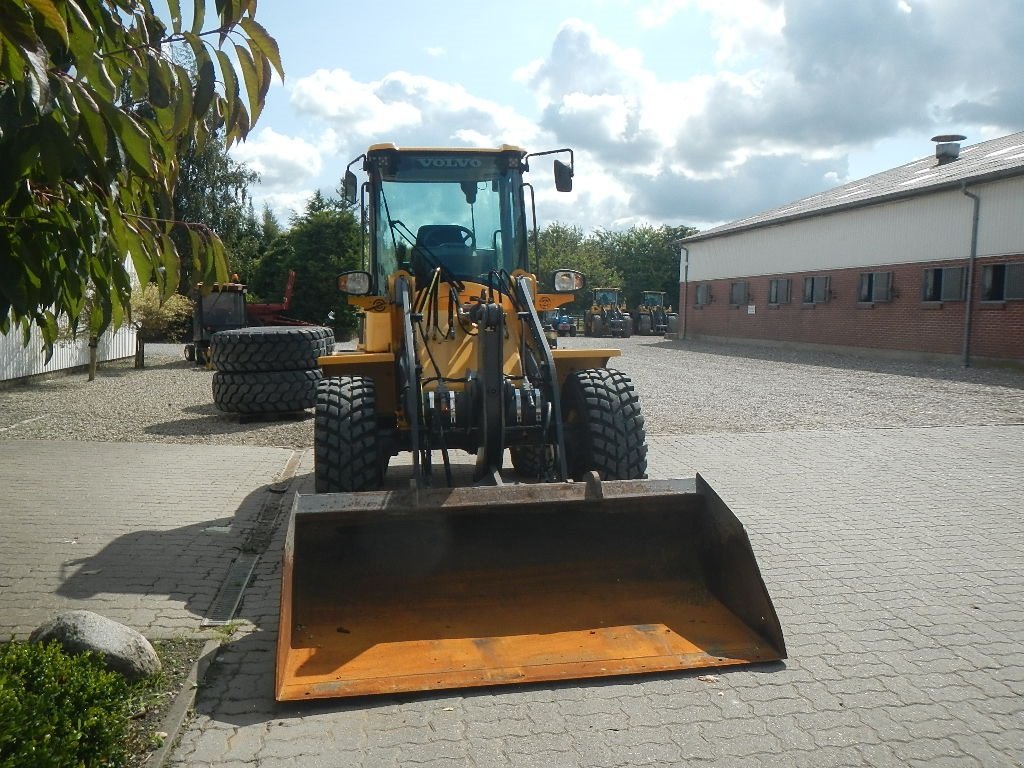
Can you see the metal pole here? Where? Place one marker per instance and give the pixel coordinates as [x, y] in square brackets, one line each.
[969, 303]
[685, 256]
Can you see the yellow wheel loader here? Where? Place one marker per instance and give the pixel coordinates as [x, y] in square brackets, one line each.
[607, 315]
[584, 568]
[652, 317]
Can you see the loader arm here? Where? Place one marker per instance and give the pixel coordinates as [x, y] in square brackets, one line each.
[548, 374]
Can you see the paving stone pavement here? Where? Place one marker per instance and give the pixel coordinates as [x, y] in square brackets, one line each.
[895, 560]
[141, 533]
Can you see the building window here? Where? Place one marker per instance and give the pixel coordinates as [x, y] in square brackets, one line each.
[816, 289]
[703, 296]
[943, 284]
[778, 291]
[739, 293]
[875, 286]
[1000, 282]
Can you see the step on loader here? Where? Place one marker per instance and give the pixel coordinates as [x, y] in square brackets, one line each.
[582, 569]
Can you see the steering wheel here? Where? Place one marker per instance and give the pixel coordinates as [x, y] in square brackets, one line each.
[468, 240]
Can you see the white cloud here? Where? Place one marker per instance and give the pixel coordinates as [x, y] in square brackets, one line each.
[404, 108]
[334, 96]
[792, 89]
[797, 85]
[279, 160]
[285, 205]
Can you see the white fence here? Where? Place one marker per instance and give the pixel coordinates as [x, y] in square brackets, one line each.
[18, 361]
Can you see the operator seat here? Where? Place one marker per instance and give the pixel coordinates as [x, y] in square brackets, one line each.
[448, 244]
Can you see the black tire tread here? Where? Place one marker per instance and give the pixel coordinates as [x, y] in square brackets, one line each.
[263, 392]
[346, 449]
[529, 461]
[270, 348]
[605, 426]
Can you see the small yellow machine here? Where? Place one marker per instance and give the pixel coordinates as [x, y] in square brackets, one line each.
[584, 568]
[607, 315]
[652, 317]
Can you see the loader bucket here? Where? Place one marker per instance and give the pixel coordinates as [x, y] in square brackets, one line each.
[387, 592]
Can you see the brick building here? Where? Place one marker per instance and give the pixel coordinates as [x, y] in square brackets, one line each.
[924, 258]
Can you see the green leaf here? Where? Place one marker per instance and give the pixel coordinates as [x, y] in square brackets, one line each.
[199, 16]
[251, 77]
[206, 80]
[263, 41]
[184, 105]
[227, 71]
[95, 129]
[17, 29]
[159, 90]
[54, 20]
[132, 138]
[175, 8]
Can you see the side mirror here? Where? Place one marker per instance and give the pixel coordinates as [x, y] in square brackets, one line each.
[350, 187]
[563, 177]
[355, 283]
[567, 280]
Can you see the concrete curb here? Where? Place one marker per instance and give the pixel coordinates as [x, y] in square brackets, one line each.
[176, 716]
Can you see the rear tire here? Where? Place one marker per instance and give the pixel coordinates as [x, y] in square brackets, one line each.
[347, 454]
[604, 426]
[530, 462]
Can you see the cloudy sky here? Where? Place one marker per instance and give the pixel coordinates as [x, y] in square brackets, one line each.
[693, 112]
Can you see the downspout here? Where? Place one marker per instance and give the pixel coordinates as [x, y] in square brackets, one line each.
[970, 275]
[685, 255]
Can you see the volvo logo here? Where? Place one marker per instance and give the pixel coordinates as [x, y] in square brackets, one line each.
[449, 162]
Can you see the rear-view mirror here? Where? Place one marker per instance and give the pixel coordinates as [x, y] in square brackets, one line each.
[567, 280]
[350, 187]
[354, 283]
[563, 177]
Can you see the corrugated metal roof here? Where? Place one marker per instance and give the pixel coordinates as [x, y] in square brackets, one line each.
[997, 158]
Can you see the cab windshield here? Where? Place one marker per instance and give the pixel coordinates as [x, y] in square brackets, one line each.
[654, 299]
[606, 297]
[458, 210]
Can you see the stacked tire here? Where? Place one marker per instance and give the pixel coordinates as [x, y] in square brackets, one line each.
[268, 369]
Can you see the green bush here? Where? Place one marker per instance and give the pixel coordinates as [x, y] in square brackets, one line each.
[157, 320]
[58, 710]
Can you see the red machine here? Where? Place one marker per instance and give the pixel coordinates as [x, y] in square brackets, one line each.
[223, 308]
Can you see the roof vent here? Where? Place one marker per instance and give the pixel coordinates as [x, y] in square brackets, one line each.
[947, 147]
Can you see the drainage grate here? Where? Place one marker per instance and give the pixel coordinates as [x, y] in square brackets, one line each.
[230, 594]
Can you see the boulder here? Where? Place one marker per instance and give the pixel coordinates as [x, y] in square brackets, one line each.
[123, 649]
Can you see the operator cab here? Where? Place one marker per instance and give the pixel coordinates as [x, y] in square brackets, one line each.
[459, 209]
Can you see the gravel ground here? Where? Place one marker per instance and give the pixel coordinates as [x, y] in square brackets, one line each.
[685, 388]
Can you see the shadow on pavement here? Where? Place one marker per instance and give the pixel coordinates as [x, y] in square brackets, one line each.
[219, 423]
[185, 565]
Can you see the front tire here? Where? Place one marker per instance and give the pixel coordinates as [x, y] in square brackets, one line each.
[604, 426]
[347, 454]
